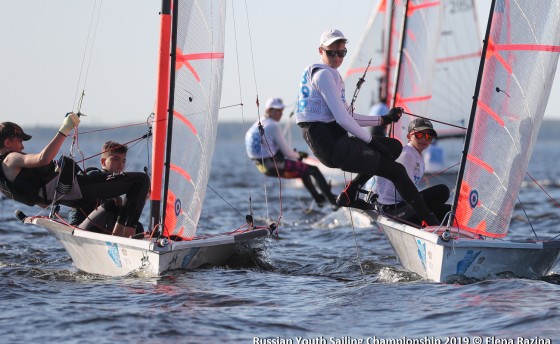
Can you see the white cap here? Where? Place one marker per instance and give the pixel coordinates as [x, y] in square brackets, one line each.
[274, 103]
[330, 36]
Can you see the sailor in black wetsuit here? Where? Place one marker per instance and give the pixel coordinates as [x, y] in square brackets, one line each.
[34, 179]
[323, 115]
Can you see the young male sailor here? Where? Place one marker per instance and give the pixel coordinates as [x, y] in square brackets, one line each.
[33, 179]
[286, 160]
[420, 135]
[324, 118]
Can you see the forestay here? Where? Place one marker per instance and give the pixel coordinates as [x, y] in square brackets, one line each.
[519, 69]
[194, 97]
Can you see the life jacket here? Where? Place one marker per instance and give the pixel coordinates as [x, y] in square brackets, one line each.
[28, 183]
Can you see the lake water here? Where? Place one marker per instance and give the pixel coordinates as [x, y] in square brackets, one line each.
[326, 279]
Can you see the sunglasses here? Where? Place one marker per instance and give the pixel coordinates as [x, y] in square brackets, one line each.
[332, 53]
[420, 135]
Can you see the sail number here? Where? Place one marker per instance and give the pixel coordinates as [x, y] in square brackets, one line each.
[456, 6]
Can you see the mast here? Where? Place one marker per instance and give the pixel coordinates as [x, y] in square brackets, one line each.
[471, 118]
[384, 87]
[160, 113]
[170, 107]
[399, 57]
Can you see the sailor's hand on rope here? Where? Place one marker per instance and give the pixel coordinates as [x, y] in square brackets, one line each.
[302, 155]
[393, 116]
[70, 122]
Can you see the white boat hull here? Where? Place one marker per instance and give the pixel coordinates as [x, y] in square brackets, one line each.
[109, 255]
[428, 255]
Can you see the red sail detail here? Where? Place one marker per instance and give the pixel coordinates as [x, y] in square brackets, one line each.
[170, 217]
[183, 119]
[361, 70]
[464, 209]
[183, 60]
[480, 163]
[458, 57]
[492, 51]
[412, 8]
[528, 47]
[179, 170]
[491, 112]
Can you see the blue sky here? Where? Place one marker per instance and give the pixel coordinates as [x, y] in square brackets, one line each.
[43, 46]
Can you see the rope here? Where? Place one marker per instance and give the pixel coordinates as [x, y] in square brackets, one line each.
[91, 24]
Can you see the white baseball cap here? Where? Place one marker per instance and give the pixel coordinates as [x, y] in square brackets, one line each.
[274, 103]
[330, 36]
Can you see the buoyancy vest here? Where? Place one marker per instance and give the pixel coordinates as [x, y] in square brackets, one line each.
[311, 105]
[25, 188]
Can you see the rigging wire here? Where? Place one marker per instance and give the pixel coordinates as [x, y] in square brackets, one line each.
[91, 29]
[241, 104]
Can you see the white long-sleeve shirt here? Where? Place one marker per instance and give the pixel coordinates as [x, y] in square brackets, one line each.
[274, 137]
[322, 99]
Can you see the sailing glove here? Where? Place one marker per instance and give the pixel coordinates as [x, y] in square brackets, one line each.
[70, 122]
[302, 155]
[393, 116]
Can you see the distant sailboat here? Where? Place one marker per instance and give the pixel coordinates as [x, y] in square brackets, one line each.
[189, 90]
[515, 76]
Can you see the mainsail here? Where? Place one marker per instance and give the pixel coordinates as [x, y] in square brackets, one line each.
[523, 42]
[372, 46]
[419, 43]
[457, 60]
[192, 38]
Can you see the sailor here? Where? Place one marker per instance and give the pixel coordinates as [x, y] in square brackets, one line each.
[324, 118]
[101, 216]
[274, 157]
[34, 179]
[420, 135]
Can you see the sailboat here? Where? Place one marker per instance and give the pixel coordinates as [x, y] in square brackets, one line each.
[186, 120]
[516, 71]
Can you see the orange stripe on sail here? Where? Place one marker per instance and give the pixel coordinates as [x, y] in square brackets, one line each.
[170, 216]
[492, 51]
[479, 162]
[179, 170]
[529, 47]
[465, 210]
[412, 8]
[416, 99]
[183, 60]
[459, 57]
[183, 119]
[491, 112]
[361, 70]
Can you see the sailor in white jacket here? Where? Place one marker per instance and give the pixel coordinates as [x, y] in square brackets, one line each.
[323, 115]
[274, 157]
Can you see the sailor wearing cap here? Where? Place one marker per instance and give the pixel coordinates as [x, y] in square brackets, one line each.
[420, 135]
[274, 157]
[325, 121]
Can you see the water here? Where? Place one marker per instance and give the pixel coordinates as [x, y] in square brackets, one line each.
[321, 279]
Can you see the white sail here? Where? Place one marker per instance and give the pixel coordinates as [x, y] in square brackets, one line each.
[457, 60]
[372, 46]
[519, 69]
[190, 130]
[414, 80]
